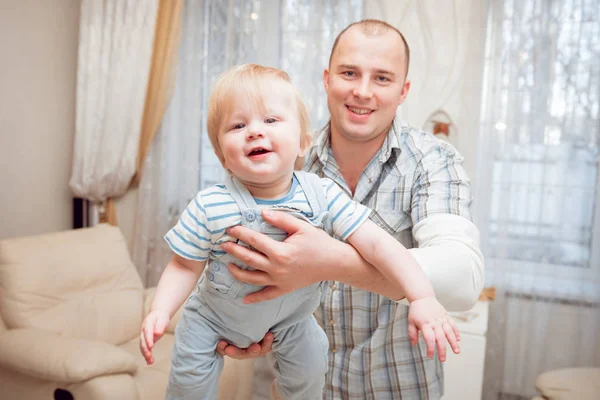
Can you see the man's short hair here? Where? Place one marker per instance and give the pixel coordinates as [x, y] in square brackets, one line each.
[373, 27]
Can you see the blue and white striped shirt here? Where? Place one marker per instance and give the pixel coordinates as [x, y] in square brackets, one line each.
[202, 226]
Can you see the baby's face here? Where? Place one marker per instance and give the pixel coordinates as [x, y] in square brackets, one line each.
[261, 144]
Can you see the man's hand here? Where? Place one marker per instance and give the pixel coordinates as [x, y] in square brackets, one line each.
[297, 262]
[255, 350]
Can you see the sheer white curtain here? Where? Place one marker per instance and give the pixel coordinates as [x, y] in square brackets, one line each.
[115, 50]
[294, 35]
[447, 41]
[538, 203]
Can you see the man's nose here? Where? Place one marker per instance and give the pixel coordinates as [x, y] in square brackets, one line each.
[363, 88]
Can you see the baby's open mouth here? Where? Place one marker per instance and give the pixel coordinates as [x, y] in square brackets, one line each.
[259, 151]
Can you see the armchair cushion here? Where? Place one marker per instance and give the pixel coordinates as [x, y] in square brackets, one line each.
[80, 283]
[569, 384]
[48, 356]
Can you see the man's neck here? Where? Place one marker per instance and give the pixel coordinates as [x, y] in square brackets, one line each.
[352, 157]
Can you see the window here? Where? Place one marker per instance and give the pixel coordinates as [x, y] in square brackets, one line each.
[541, 130]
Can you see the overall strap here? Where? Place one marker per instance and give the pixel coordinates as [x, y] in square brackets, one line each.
[240, 194]
[315, 194]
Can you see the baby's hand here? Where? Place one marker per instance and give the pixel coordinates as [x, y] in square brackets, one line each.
[431, 318]
[153, 328]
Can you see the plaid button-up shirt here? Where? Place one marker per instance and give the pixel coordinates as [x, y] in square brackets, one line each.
[411, 177]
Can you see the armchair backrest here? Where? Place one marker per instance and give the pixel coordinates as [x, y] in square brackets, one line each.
[80, 283]
[2, 325]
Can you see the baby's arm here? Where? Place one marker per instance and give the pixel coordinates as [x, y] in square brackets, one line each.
[396, 263]
[176, 283]
[191, 241]
[392, 259]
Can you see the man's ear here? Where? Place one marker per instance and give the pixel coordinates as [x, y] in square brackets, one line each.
[404, 93]
[326, 79]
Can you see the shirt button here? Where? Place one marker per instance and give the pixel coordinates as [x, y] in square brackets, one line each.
[333, 350]
[333, 287]
[211, 277]
[331, 322]
[250, 216]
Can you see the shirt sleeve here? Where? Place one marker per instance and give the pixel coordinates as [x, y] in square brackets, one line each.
[191, 237]
[441, 185]
[448, 251]
[346, 214]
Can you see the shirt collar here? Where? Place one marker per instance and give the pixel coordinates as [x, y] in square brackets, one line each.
[322, 144]
[392, 140]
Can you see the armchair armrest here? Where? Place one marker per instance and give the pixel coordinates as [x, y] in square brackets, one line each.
[52, 357]
[148, 296]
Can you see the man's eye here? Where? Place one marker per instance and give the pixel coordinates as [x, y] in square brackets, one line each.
[270, 120]
[348, 73]
[383, 79]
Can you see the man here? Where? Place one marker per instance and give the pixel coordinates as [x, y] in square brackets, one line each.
[420, 194]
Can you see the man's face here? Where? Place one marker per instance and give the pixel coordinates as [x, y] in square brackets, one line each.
[365, 84]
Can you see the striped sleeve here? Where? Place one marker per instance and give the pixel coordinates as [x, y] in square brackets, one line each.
[191, 238]
[346, 214]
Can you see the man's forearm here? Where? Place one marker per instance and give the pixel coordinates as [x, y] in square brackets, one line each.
[350, 268]
[448, 253]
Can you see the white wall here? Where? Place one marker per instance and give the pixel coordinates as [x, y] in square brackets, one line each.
[447, 43]
[37, 114]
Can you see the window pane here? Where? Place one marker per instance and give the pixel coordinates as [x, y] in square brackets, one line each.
[543, 100]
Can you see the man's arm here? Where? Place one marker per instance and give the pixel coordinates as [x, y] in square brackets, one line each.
[447, 240]
[392, 259]
[307, 256]
[448, 253]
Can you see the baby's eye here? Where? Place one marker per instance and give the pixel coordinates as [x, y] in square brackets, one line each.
[237, 126]
[270, 120]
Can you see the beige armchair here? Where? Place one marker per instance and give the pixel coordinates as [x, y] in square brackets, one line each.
[71, 305]
[569, 384]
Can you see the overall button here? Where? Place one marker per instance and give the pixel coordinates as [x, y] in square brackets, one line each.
[211, 277]
[216, 267]
[250, 216]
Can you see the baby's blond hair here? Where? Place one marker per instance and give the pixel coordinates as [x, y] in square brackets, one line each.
[247, 82]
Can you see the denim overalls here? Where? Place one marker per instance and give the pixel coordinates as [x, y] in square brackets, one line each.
[216, 311]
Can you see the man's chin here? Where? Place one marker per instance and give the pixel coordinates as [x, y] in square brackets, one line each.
[359, 134]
